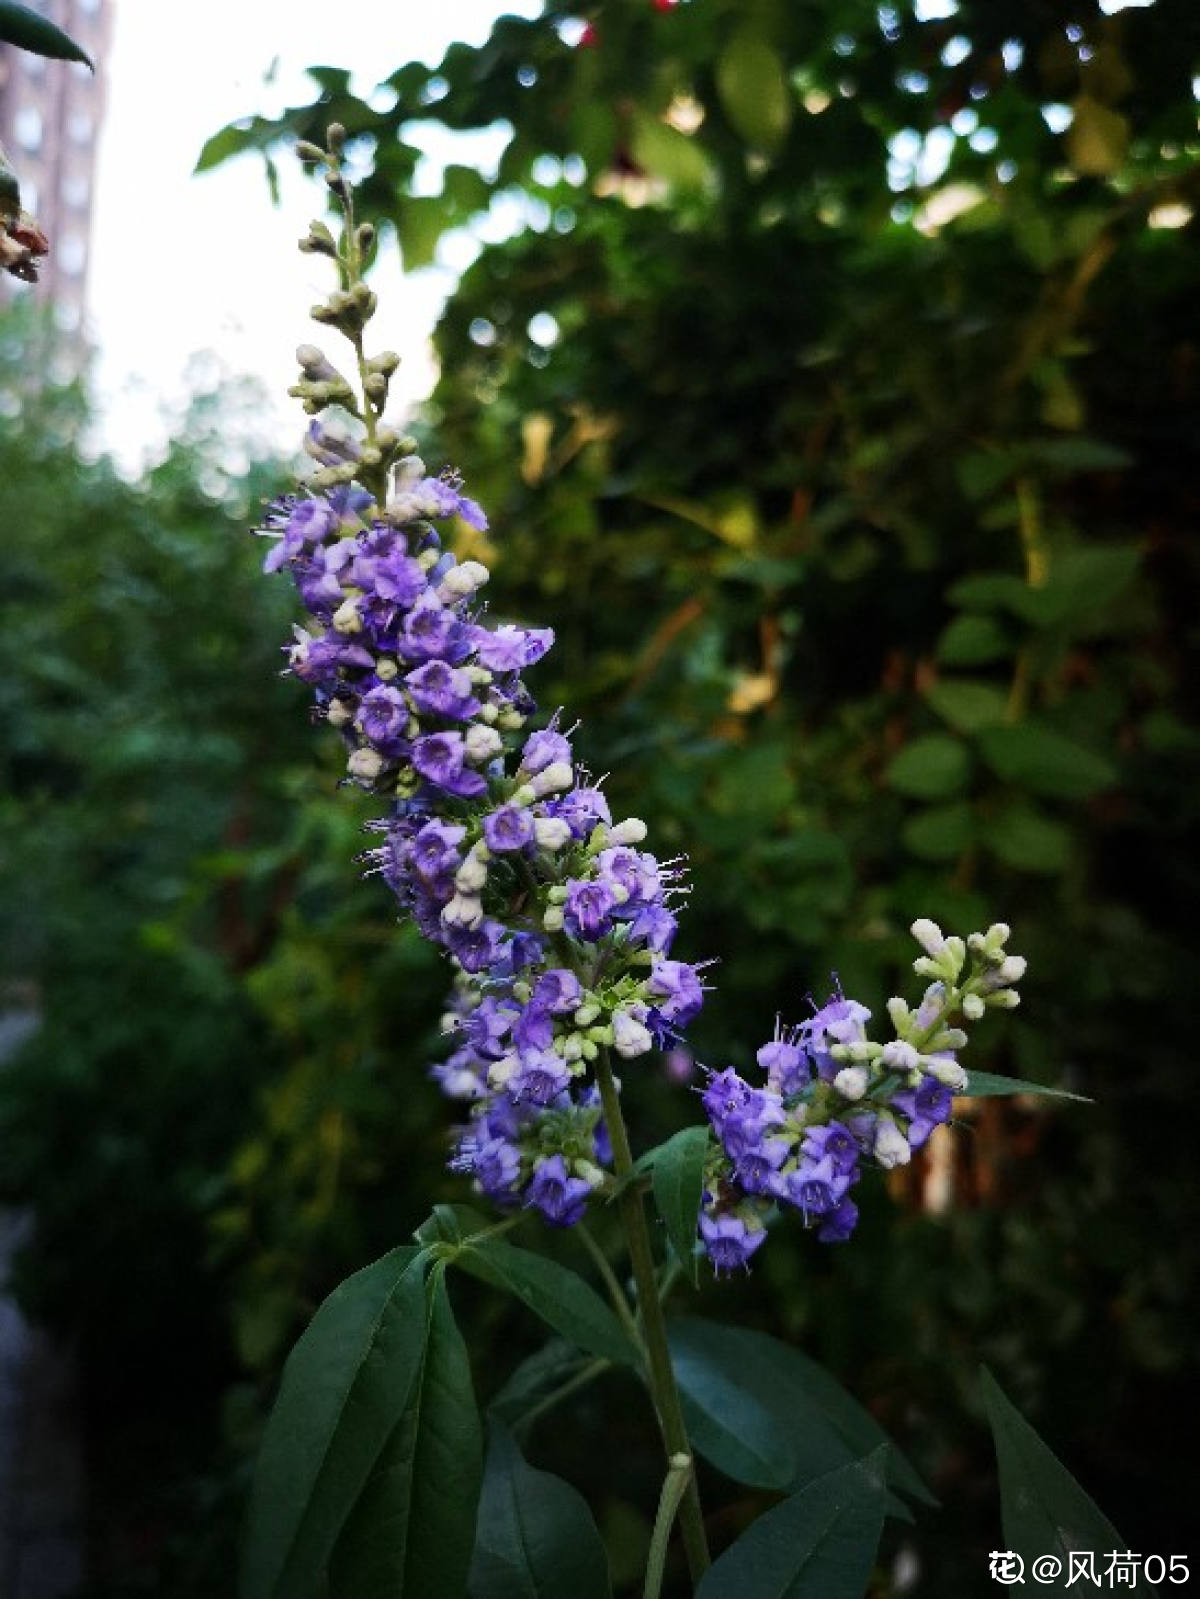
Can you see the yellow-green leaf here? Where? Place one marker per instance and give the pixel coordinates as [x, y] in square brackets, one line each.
[754, 90]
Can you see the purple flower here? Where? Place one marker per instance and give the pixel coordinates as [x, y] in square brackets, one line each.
[308, 522]
[442, 690]
[541, 1078]
[439, 757]
[729, 1241]
[839, 1224]
[839, 1021]
[836, 1141]
[431, 632]
[510, 649]
[497, 1168]
[435, 849]
[678, 991]
[927, 1106]
[543, 749]
[509, 828]
[382, 715]
[786, 1066]
[587, 913]
[815, 1187]
[558, 991]
[581, 809]
[561, 1198]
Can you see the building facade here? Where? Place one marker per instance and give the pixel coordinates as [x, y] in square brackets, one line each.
[50, 117]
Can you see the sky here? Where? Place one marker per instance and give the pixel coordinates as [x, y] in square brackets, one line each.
[184, 266]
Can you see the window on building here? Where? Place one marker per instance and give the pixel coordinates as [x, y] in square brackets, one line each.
[75, 190]
[72, 255]
[27, 127]
[80, 126]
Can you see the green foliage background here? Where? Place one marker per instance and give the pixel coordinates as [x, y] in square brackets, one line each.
[868, 538]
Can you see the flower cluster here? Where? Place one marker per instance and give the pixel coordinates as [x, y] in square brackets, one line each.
[498, 845]
[505, 854]
[832, 1101]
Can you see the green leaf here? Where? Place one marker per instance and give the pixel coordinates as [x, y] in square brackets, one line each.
[766, 1415]
[1083, 582]
[537, 1376]
[940, 833]
[247, 133]
[1043, 1509]
[344, 1387]
[819, 1544]
[986, 1085]
[678, 1169]
[1028, 841]
[665, 153]
[1045, 762]
[974, 641]
[754, 90]
[451, 1224]
[420, 219]
[29, 31]
[1097, 138]
[968, 706]
[991, 591]
[930, 767]
[410, 1532]
[535, 1538]
[559, 1296]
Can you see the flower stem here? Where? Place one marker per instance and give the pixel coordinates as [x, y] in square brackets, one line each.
[654, 1327]
[675, 1485]
[615, 1292]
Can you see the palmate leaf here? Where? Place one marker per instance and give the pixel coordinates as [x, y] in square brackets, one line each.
[819, 1544]
[29, 31]
[344, 1388]
[1043, 1509]
[535, 1538]
[766, 1415]
[409, 1535]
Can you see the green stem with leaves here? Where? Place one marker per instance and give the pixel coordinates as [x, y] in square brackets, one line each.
[654, 1328]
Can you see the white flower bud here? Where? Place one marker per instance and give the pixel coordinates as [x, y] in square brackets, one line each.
[900, 1014]
[500, 1072]
[365, 764]
[1003, 999]
[998, 934]
[929, 935]
[338, 713]
[462, 581]
[586, 1014]
[481, 743]
[1013, 968]
[347, 619]
[489, 713]
[899, 1056]
[551, 832]
[464, 910]
[386, 670]
[552, 921]
[471, 876]
[973, 1007]
[630, 1037]
[589, 1172]
[947, 1071]
[891, 1146]
[572, 1049]
[555, 777]
[631, 831]
[852, 1081]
